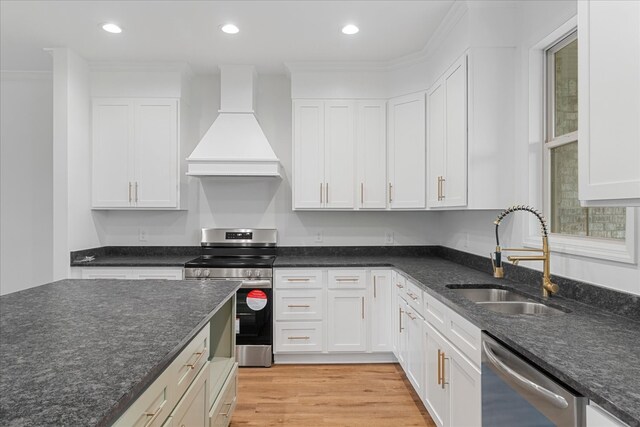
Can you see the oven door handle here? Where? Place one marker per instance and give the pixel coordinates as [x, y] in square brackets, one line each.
[256, 283]
[548, 395]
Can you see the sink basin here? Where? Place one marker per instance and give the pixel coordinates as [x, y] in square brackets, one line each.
[489, 295]
[519, 307]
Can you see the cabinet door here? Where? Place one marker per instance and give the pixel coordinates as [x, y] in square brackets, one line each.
[372, 154]
[339, 154]
[465, 391]
[609, 102]
[346, 320]
[435, 395]
[415, 356]
[156, 153]
[308, 154]
[192, 409]
[435, 143]
[112, 153]
[380, 292]
[406, 160]
[454, 185]
[398, 288]
[403, 337]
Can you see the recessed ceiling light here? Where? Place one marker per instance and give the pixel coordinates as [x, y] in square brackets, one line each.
[111, 28]
[350, 29]
[230, 29]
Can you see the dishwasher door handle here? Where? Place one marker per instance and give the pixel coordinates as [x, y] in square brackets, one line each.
[550, 396]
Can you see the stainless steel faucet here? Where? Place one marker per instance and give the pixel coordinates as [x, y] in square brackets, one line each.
[548, 287]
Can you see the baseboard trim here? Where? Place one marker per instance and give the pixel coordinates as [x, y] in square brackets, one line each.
[323, 358]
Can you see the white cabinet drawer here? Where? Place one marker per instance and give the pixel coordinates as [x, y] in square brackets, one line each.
[188, 363]
[400, 284]
[155, 400]
[598, 417]
[158, 273]
[435, 313]
[222, 409]
[347, 279]
[464, 335]
[106, 273]
[304, 304]
[298, 337]
[298, 279]
[414, 296]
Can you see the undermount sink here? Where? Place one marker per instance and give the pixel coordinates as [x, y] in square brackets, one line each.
[519, 307]
[504, 301]
[490, 295]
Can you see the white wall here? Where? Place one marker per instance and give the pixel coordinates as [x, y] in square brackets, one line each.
[26, 189]
[260, 202]
[474, 231]
[74, 225]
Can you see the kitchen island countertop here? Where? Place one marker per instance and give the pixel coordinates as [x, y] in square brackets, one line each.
[79, 352]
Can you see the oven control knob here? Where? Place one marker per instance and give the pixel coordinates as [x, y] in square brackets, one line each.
[258, 273]
[198, 272]
[206, 273]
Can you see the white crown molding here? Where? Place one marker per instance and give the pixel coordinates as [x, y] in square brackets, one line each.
[168, 66]
[453, 16]
[9, 75]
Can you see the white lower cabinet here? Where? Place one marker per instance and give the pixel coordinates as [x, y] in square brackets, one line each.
[435, 394]
[414, 354]
[339, 315]
[124, 273]
[598, 417]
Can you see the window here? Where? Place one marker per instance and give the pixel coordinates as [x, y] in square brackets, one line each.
[565, 214]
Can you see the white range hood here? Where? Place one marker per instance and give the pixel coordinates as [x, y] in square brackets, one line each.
[235, 145]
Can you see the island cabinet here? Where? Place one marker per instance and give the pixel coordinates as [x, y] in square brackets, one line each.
[199, 387]
[332, 316]
[598, 417]
[124, 273]
[135, 153]
[609, 103]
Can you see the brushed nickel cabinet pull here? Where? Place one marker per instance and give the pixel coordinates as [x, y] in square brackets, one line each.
[298, 338]
[442, 180]
[327, 192]
[298, 280]
[398, 285]
[363, 307]
[390, 189]
[136, 191]
[298, 306]
[347, 280]
[320, 193]
[129, 192]
[411, 316]
[439, 188]
[361, 194]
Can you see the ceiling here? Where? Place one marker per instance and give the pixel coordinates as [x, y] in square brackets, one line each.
[271, 32]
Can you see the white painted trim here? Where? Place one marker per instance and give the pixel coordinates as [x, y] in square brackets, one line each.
[12, 75]
[624, 252]
[314, 358]
[170, 66]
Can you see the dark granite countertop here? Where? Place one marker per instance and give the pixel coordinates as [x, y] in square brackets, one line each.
[135, 261]
[595, 352]
[79, 352]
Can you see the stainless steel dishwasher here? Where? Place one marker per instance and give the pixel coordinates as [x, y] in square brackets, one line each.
[516, 393]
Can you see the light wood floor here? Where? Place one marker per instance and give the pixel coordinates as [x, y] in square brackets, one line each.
[328, 395]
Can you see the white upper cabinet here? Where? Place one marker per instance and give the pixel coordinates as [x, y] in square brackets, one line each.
[406, 151]
[447, 138]
[609, 102]
[371, 156]
[324, 155]
[339, 154]
[135, 153]
[308, 154]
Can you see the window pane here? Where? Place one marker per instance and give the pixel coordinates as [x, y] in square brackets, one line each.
[567, 217]
[566, 89]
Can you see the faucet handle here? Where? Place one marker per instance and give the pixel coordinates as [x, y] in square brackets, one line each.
[549, 286]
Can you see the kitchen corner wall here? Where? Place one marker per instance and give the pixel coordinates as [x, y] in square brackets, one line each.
[27, 194]
[259, 202]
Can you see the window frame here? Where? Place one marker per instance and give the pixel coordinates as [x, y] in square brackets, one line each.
[539, 161]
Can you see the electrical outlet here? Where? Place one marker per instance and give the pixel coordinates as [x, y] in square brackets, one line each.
[319, 237]
[388, 237]
[143, 235]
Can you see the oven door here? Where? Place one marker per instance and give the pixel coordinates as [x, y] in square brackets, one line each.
[254, 327]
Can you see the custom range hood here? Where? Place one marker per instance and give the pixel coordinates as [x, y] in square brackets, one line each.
[235, 145]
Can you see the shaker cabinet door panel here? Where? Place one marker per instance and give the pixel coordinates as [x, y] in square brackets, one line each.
[308, 153]
[156, 160]
[382, 322]
[346, 321]
[339, 154]
[372, 155]
[454, 186]
[112, 152]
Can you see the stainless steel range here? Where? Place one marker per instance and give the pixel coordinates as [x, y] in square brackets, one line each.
[243, 254]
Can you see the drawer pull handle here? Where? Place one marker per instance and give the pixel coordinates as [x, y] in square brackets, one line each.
[398, 285]
[413, 296]
[154, 415]
[411, 316]
[298, 338]
[226, 414]
[298, 306]
[298, 280]
[347, 280]
[400, 322]
[195, 362]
